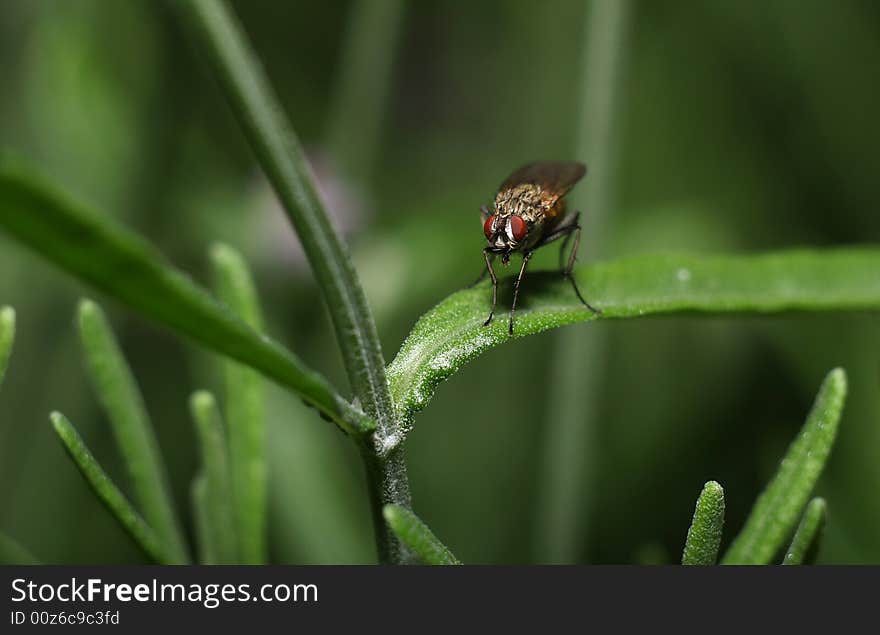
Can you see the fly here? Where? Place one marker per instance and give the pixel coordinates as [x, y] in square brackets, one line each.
[529, 212]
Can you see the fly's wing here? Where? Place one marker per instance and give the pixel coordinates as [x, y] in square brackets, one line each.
[555, 178]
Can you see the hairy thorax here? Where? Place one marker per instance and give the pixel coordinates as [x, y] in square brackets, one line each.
[524, 200]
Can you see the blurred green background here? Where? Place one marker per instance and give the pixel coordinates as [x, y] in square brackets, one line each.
[738, 127]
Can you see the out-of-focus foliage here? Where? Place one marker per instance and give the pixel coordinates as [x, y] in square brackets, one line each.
[744, 127]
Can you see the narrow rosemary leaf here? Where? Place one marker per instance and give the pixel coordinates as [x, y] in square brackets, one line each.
[205, 538]
[278, 150]
[704, 535]
[7, 337]
[110, 495]
[452, 333]
[245, 410]
[780, 505]
[415, 534]
[131, 271]
[118, 392]
[218, 505]
[249, 93]
[805, 544]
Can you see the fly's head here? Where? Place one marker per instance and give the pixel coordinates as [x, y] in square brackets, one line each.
[505, 234]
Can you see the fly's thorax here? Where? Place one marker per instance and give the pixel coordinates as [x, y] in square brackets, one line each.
[525, 200]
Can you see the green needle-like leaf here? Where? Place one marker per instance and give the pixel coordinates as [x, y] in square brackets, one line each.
[7, 337]
[415, 534]
[245, 410]
[780, 505]
[278, 150]
[704, 535]
[121, 398]
[201, 519]
[11, 552]
[805, 544]
[109, 494]
[452, 333]
[215, 508]
[282, 158]
[130, 270]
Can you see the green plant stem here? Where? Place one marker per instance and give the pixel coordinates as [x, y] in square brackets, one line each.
[805, 544]
[7, 337]
[110, 495]
[245, 410]
[417, 536]
[121, 398]
[386, 475]
[704, 536]
[131, 271]
[278, 150]
[778, 508]
[215, 515]
[569, 455]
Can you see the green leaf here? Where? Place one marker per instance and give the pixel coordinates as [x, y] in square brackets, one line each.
[215, 510]
[7, 337]
[279, 152]
[121, 398]
[282, 158]
[452, 333]
[205, 537]
[11, 552]
[109, 494]
[245, 410]
[415, 534]
[704, 535]
[805, 544]
[780, 505]
[130, 270]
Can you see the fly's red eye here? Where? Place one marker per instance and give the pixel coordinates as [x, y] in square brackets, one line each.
[487, 227]
[517, 227]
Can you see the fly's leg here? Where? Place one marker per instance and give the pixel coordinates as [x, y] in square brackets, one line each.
[526, 257]
[483, 273]
[484, 214]
[491, 271]
[569, 229]
[564, 246]
[576, 232]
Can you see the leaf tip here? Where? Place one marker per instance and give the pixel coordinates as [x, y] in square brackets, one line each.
[713, 488]
[89, 312]
[712, 497]
[818, 506]
[391, 513]
[58, 420]
[837, 381]
[201, 401]
[7, 318]
[223, 255]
